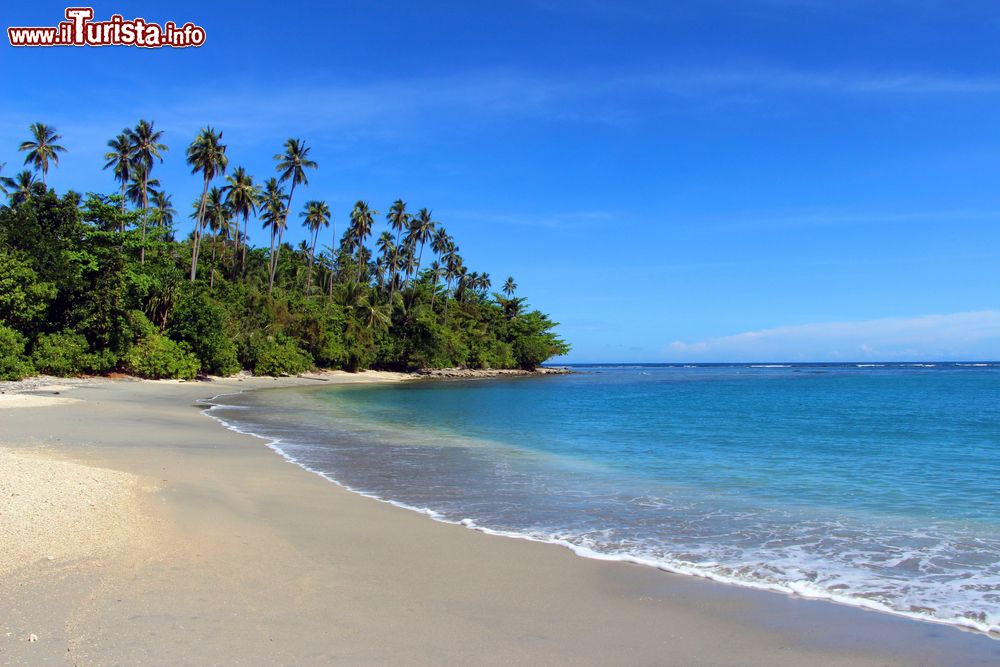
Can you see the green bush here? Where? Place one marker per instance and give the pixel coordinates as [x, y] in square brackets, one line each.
[139, 325]
[319, 331]
[23, 298]
[156, 356]
[63, 353]
[275, 355]
[13, 364]
[200, 321]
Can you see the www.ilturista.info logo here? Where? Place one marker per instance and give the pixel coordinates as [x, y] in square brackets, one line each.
[79, 29]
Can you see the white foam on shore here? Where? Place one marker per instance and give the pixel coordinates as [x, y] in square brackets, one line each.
[801, 588]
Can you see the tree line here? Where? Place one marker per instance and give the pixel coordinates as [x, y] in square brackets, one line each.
[101, 282]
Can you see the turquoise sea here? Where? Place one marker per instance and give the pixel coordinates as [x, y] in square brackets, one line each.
[876, 485]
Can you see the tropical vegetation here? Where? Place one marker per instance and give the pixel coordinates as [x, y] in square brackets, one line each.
[98, 283]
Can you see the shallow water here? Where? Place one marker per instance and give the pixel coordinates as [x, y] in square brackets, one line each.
[874, 485]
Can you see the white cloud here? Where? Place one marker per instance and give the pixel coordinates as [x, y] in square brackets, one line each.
[970, 335]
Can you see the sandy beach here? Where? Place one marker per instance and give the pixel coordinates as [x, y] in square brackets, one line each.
[134, 529]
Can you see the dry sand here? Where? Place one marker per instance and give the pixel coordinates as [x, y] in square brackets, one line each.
[174, 541]
[63, 512]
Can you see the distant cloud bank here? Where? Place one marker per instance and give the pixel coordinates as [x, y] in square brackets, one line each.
[970, 335]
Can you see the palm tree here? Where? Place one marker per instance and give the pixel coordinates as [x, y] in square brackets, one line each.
[452, 269]
[141, 187]
[317, 216]
[291, 167]
[242, 196]
[163, 213]
[362, 220]
[42, 148]
[372, 313]
[440, 242]
[146, 146]
[206, 155]
[408, 264]
[484, 283]
[509, 287]
[20, 187]
[3, 189]
[421, 231]
[387, 250]
[217, 219]
[272, 203]
[435, 276]
[398, 220]
[119, 159]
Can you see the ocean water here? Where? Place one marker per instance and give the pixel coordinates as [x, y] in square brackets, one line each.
[876, 485]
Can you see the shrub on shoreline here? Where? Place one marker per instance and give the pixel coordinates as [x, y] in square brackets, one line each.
[14, 365]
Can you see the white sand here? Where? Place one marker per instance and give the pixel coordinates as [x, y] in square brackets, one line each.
[32, 401]
[59, 511]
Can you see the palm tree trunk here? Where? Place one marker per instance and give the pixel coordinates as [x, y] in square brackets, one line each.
[277, 255]
[446, 302]
[392, 273]
[333, 257]
[274, 264]
[145, 210]
[215, 244]
[420, 258]
[312, 258]
[197, 232]
[361, 245]
[243, 259]
[236, 245]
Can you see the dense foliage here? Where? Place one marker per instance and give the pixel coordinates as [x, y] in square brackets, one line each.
[92, 285]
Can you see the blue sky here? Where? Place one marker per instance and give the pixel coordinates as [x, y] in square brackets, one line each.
[673, 181]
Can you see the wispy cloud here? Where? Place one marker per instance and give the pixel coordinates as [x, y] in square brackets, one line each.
[394, 107]
[968, 335]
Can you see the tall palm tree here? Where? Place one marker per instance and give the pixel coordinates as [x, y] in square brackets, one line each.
[19, 188]
[216, 217]
[242, 196]
[484, 283]
[119, 159]
[146, 147]
[292, 165]
[509, 286]
[141, 187]
[3, 188]
[163, 213]
[316, 216]
[206, 155]
[387, 250]
[42, 147]
[272, 205]
[408, 264]
[421, 231]
[435, 276]
[398, 220]
[440, 242]
[453, 269]
[362, 220]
